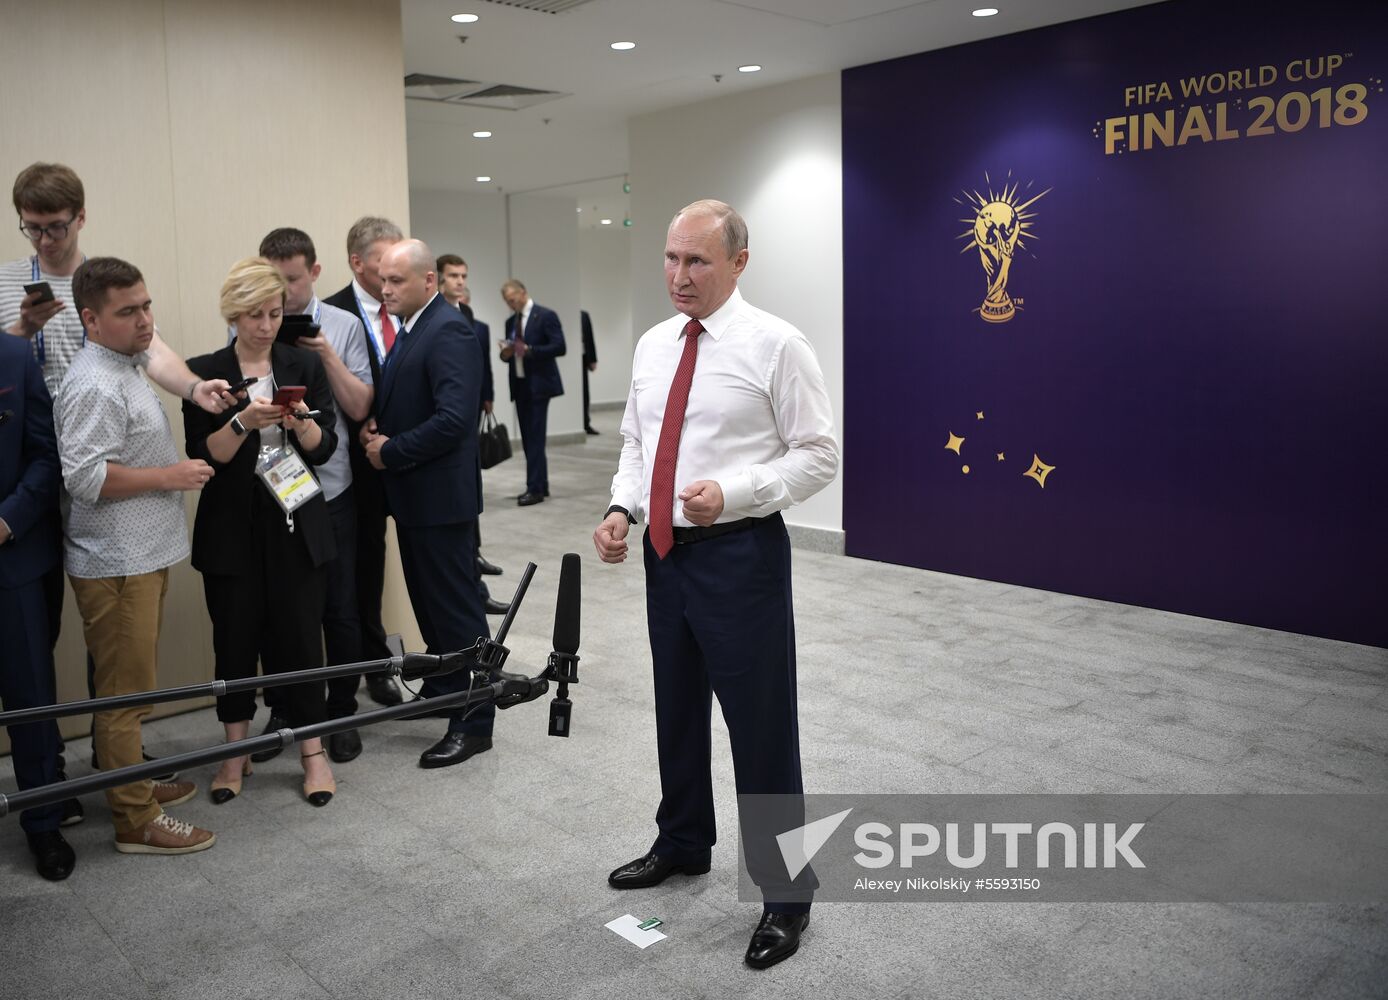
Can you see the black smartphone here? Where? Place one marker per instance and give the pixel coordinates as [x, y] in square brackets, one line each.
[244, 383]
[44, 289]
[296, 326]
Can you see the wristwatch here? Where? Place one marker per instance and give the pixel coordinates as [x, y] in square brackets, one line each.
[237, 427]
[618, 509]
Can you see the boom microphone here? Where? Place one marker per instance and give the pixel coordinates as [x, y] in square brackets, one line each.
[563, 662]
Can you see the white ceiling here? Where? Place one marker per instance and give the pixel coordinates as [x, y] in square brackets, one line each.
[576, 145]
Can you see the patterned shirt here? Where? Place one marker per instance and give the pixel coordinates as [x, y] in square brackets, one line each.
[107, 412]
[62, 335]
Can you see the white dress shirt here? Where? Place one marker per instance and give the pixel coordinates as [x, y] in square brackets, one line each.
[758, 421]
[372, 308]
[517, 363]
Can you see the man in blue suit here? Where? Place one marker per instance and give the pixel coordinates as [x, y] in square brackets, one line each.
[534, 339]
[423, 439]
[30, 548]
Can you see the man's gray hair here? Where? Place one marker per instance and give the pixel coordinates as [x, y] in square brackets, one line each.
[734, 227]
[367, 230]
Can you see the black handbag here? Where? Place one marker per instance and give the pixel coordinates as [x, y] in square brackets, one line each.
[493, 442]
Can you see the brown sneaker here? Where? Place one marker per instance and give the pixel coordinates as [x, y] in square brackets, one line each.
[165, 835]
[171, 793]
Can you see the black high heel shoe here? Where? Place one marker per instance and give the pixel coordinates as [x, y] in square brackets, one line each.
[318, 795]
[224, 792]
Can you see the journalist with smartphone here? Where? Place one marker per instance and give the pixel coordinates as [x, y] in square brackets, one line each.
[262, 536]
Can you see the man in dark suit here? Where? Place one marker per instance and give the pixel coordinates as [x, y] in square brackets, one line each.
[534, 338]
[423, 440]
[30, 549]
[367, 241]
[590, 364]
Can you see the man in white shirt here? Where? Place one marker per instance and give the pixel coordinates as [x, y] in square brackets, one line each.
[727, 423]
[341, 344]
[367, 241]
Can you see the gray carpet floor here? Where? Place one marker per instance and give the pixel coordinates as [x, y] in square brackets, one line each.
[489, 879]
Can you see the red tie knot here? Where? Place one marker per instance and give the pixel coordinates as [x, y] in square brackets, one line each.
[693, 328]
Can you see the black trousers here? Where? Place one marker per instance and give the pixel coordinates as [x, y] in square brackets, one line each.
[370, 554]
[586, 421]
[26, 681]
[440, 564]
[272, 612]
[721, 623]
[341, 627]
[533, 415]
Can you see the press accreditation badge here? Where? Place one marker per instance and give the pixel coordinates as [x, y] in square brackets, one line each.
[286, 477]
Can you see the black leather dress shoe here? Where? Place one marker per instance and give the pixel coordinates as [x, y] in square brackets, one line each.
[343, 747]
[529, 499]
[649, 870]
[454, 748]
[53, 856]
[487, 568]
[776, 938]
[382, 690]
[495, 607]
[275, 724]
[591, 430]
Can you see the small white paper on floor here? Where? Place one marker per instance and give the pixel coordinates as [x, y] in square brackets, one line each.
[627, 927]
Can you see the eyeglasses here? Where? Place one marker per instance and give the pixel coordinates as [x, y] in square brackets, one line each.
[54, 230]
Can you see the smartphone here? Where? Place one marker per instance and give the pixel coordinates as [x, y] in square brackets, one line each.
[295, 326]
[44, 289]
[245, 382]
[288, 395]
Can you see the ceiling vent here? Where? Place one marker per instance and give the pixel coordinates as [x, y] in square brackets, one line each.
[541, 6]
[475, 93]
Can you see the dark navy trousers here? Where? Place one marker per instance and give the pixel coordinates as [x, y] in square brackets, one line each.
[440, 564]
[26, 681]
[721, 623]
[533, 415]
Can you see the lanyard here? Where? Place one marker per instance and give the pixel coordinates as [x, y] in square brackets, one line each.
[40, 348]
[372, 337]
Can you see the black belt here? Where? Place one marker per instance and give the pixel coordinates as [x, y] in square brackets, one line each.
[686, 536]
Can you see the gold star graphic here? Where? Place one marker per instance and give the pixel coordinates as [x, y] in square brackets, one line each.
[979, 414]
[1039, 470]
[955, 443]
[1001, 457]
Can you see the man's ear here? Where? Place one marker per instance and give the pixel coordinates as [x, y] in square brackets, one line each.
[315, 271]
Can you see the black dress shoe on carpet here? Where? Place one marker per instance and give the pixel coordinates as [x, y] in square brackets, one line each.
[166, 776]
[776, 938]
[495, 607]
[343, 747]
[529, 499]
[275, 724]
[53, 856]
[487, 568]
[591, 430]
[454, 748]
[72, 812]
[649, 870]
[383, 690]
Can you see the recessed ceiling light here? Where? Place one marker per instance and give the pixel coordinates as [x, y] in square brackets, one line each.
[985, 12]
[464, 18]
[483, 179]
[607, 222]
[481, 135]
[749, 68]
[623, 46]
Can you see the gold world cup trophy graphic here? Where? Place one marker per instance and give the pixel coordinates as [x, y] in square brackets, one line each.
[999, 227]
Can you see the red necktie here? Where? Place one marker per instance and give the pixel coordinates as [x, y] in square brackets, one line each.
[387, 330]
[668, 449]
[518, 341]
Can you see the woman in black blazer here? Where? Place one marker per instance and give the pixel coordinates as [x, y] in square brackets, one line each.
[262, 570]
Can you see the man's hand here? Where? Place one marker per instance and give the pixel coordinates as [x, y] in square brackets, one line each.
[611, 537]
[190, 475]
[373, 451]
[703, 502]
[486, 406]
[4, 532]
[212, 395]
[506, 349]
[34, 315]
[592, 366]
[318, 344]
[367, 432]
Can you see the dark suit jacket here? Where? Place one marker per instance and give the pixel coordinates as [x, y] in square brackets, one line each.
[483, 333]
[346, 300]
[30, 470]
[427, 404]
[590, 349]
[544, 341]
[222, 526]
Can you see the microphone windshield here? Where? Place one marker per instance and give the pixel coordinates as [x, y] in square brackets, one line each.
[566, 611]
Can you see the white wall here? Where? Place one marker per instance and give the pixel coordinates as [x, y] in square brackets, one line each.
[544, 255]
[604, 271]
[776, 156]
